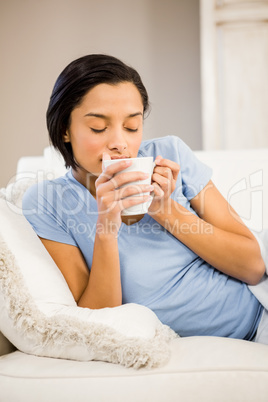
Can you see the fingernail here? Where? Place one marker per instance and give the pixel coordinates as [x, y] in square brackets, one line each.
[150, 187]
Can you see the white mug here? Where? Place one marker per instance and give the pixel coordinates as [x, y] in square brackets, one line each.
[142, 164]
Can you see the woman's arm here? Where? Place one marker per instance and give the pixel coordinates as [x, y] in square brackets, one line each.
[96, 289]
[217, 234]
[101, 287]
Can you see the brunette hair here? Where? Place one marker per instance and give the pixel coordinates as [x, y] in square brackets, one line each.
[79, 77]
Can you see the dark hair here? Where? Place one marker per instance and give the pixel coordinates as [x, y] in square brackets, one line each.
[72, 85]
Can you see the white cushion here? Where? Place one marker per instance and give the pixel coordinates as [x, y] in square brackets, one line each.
[39, 316]
[50, 165]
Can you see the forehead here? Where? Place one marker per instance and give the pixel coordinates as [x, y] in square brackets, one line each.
[123, 95]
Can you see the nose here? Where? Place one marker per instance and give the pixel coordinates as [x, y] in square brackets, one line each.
[117, 141]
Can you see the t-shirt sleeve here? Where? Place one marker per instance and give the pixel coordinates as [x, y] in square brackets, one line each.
[195, 175]
[39, 208]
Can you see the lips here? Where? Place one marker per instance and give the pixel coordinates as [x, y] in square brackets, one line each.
[119, 157]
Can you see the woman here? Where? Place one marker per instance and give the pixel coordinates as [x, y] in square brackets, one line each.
[189, 258]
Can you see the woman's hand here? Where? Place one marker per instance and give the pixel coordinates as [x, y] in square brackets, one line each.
[114, 193]
[164, 179]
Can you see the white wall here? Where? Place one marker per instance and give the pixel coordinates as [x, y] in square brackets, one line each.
[160, 38]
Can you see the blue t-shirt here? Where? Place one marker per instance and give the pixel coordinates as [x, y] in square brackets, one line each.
[157, 270]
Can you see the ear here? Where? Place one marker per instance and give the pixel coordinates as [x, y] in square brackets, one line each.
[66, 137]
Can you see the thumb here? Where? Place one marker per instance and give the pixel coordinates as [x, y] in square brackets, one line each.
[105, 157]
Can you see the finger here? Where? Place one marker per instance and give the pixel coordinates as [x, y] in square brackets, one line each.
[163, 182]
[112, 169]
[175, 167]
[105, 157]
[168, 163]
[134, 189]
[164, 171]
[116, 201]
[135, 200]
[127, 191]
[158, 192]
[124, 178]
[158, 159]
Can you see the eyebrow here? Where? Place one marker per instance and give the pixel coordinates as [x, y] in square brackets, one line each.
[102, 116]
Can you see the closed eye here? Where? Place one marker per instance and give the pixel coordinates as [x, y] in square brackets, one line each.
[98, 131]
[132, 130]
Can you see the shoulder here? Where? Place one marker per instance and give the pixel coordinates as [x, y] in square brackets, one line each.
[169, 147]
[44, 186]
[44, 192]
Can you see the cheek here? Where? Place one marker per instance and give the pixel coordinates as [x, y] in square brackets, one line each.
[135, 143]
[85, 144]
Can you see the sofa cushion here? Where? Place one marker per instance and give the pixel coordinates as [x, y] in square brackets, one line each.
[39, 316]
[201, 369]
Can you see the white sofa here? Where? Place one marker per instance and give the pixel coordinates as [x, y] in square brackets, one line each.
[200, 368]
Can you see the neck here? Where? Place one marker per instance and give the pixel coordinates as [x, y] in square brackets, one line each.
[86, 179]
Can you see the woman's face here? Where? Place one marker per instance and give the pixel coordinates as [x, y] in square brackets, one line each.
[109, 119]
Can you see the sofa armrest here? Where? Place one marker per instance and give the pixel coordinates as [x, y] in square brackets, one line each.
[5, 346]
